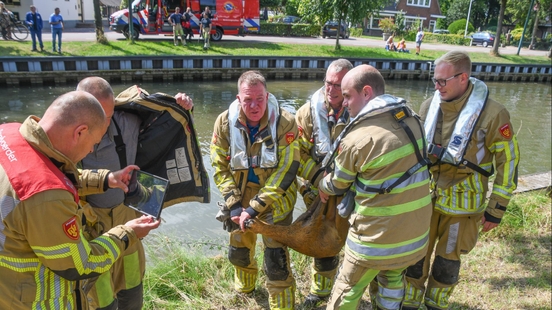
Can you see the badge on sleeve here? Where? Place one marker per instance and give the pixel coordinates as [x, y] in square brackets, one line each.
[214, 138]
[300, 131]
[290, 137]
[71, 229]
[505, 131]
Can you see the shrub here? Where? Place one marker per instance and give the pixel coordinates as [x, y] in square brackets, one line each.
[289, 30]
[387, 25]
[459, 26]
[355, 32]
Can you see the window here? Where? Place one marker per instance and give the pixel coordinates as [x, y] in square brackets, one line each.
[432, 24]
[424, 3]
[12, 2]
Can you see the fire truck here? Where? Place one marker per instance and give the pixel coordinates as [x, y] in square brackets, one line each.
[230, 17]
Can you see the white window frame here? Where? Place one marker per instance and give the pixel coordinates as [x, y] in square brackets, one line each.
[420, 3]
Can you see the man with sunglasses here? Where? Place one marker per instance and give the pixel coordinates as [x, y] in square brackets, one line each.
[465, 131]
[320, 122]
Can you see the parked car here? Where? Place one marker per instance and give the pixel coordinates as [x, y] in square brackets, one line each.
[289, 19]
[330, 29]
[483, 38]
[441, 31]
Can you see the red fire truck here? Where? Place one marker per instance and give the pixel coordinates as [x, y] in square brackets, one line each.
[230, 17]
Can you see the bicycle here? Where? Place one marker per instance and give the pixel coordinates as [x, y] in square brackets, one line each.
[18, 31]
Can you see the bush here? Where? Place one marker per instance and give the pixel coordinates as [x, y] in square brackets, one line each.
[459, 27]
[455, 39]
[355, 32]
[290, 30]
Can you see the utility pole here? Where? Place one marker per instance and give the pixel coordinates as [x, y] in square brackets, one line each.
[525, 26]
[468, 20]
[130, 22]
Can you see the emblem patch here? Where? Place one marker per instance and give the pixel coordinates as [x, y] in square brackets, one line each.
[300, 131]
[505, 131]
[214, 138]
[71, 229]
[290, 137]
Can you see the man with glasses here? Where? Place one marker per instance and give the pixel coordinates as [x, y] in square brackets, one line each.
[465, 132]
[320, 122]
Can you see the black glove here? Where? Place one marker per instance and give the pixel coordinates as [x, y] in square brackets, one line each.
[230, 226]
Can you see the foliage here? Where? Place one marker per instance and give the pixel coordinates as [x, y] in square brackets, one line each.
[353, 11]
[355, 32]
[291, 7]
[400, 23]
[290, 30]
[124, 4]
[454, 39]
[459, 10]
[459, 27]
[269, 3]
[442, 23]
[387, 25]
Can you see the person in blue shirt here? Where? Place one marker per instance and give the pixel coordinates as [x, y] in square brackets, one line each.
[34, 20]
[205, 26]
[176, 21]
[56, 22]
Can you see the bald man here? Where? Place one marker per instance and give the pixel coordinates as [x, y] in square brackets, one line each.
[121, 288]
[43, 255]
[389, 209]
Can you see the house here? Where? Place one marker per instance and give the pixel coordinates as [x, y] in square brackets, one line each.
[426, 11]
[73, 11]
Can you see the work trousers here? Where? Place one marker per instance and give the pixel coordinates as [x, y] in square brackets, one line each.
[451, 236]
[280, 282]
[120, 287]
[353, 279]
[177, 31]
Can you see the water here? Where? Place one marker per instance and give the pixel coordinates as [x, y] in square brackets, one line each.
[529, 105]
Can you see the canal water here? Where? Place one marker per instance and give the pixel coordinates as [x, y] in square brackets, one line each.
[529, 105]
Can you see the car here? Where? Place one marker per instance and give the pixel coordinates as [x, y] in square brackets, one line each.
[484, 38]
[441, 31]
[330, 29]
[289, 19]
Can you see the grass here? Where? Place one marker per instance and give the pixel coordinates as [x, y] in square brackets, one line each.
[510, 268]
[145, 47]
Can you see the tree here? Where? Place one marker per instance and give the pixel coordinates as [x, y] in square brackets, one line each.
[494, 51]
[341, 10]
[100, 36]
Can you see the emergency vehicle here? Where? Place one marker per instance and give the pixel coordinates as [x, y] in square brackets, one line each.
[230, 17]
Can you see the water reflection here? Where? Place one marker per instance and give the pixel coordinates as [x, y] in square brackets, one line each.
[529, 105]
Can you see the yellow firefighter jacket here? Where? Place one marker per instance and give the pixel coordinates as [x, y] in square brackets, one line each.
[388, 230]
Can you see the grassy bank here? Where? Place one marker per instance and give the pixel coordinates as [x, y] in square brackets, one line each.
[228, 48]
[510, 268]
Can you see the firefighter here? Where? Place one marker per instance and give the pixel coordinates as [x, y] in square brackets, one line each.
[460, 170]
[121, 288]
[320, 122]
[380, 164]
[43, 255]
[255, 155]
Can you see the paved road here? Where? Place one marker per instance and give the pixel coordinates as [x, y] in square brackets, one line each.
[88, 34]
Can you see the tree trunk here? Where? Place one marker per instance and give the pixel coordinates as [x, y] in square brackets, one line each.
[100, 36]
[494, 51]
[535, 29]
